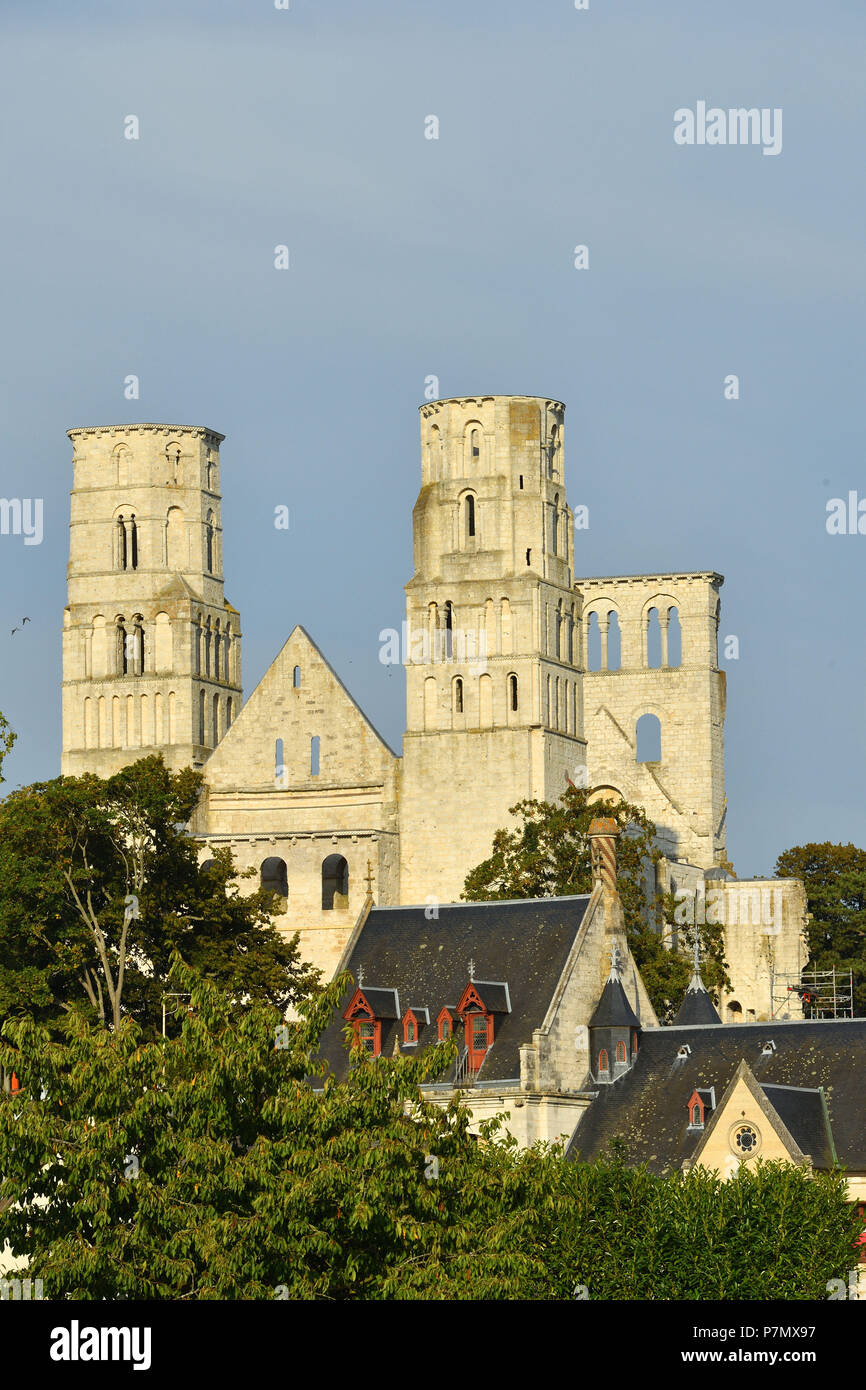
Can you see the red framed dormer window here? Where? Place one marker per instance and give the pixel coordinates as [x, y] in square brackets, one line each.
[445, 1025]
[411, 1027]
[620, 1052]
[603, 1061]
[478, 1032]
[365, 1026]
[696, 1111]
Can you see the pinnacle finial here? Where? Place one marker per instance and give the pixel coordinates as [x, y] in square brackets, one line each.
[471, 969]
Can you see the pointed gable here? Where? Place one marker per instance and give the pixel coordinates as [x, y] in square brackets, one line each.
[299, 699]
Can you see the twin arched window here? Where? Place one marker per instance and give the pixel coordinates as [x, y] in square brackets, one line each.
[126, 542]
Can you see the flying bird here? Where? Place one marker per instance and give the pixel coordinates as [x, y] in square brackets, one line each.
[18, 629]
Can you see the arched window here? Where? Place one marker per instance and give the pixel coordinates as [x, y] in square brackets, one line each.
[620, 1052]
[133, 543]
[593, 643]
[458, 695]
[603, 1063]
[449, 630]
[613, 643]
[228, 713]
[554, 523]
[217, 638]
[207, 641]
[227, 652]
[505, 618]
[512, 692]
[296, 678]
[675, 638]
[314, 755]
[211, 474]
[648, 737]
[197, 643]
[200, 717]
[209, 543]
[697, 1117]
[122, 456]
[216, 720]
[489, 627]
[335, 883]
[121, 648]
[275, 878]
[279, 765]
[558, 644]
[470, 515]
[475, 444]
[653, 640]
[121, 544]
[137, 646]
[572, 625]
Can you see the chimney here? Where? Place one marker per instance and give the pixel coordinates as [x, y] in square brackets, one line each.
[602, 834]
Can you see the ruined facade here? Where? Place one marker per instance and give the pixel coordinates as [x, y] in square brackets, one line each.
[519, 678]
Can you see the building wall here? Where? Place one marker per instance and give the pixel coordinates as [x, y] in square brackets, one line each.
[683, 792]
[263, 799]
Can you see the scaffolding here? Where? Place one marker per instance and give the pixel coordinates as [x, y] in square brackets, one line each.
[822, 994]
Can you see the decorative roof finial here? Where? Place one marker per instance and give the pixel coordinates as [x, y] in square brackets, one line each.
[471, 969]
[615, 961]
[360, 977]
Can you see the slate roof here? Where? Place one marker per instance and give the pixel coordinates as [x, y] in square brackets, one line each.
[803, 1114]
[385, 1003]
[697, 1006]
[613, 1009]
[523, 944]
[646, 1106]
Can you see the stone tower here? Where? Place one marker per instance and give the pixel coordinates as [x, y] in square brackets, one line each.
[151, 647]
[655, 704]
[493, 689]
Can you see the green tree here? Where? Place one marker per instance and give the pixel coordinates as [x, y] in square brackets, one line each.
[549, 856]
[835, 880]
[99, 883]
[7, 738]
[206, 1165]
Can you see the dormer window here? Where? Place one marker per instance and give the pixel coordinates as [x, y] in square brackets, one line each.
[620, 1052]
[701, 1105]
[603, 1061]
[445, 1023]
[368, 1011]
[480, 1001]
[413, 1021]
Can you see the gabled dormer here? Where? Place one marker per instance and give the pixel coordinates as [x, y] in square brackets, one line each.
[477, 1008]
[369, 1012]
[700, 1106]
[414, 1021]
[445, 1021]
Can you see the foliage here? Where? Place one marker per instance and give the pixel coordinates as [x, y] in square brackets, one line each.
[99, 883]
[7, 738]
[835, 880]
[205, 1166]
[549, 856]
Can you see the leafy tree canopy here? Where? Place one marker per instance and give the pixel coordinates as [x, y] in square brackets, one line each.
[549, 856]
[206, 1165]
[99, 883]
[835, 880]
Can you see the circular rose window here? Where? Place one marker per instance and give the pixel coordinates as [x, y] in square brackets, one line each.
[745, 1140]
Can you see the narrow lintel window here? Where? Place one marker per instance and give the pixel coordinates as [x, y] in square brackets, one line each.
[521, 482]
[470, 515]
[458, 695]
[512, 692]
[314, 755]
[296, 678]
[529, 557]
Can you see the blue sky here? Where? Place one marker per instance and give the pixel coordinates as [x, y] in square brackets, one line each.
[454, 257]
